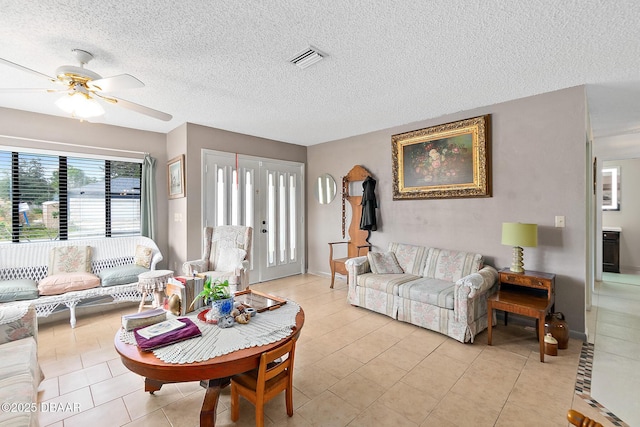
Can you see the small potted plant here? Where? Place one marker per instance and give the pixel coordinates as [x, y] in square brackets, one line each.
[219, 295]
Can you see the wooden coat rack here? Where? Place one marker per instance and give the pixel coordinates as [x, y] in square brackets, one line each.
[358, 239]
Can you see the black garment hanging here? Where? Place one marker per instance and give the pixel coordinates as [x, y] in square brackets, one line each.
[369, 205]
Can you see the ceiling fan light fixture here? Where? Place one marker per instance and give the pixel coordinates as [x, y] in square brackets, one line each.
[80, 105]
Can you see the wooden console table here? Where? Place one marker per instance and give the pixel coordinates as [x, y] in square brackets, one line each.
[530, 294]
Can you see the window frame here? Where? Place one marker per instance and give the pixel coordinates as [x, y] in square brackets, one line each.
[14, 196]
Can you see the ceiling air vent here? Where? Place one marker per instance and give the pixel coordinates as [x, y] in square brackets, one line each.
[307, 57]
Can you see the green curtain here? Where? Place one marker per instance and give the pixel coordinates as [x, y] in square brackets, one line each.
[148, 198]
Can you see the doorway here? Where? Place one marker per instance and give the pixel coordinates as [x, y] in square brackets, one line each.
[618, 208]
[266, 194]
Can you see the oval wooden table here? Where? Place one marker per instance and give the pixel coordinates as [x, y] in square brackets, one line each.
[215, 373]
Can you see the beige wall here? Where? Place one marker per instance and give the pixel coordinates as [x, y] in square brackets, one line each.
[539, 169]
[69, 135]
[177, 215]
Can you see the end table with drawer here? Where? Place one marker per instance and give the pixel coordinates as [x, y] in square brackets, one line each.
[530, 294]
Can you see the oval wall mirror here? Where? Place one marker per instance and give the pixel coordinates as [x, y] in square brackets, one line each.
[325, 189]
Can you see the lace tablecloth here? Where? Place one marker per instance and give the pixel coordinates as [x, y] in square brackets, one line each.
[264, 328]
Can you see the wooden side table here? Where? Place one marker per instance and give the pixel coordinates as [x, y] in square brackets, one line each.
[530, 294]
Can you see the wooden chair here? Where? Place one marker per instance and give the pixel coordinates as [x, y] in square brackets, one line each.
[577, 419]
[358, 239]
[263, 384]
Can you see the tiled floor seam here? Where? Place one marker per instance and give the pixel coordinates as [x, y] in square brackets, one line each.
[583, 384]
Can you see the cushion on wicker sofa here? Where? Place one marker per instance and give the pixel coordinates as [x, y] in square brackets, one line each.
[18, 289]
[69, 259]
[121, 275]
[143, 256]
[67, 282]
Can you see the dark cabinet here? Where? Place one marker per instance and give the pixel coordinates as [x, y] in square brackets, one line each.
[611, 251]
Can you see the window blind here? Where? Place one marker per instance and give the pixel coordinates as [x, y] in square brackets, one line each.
[52, 197]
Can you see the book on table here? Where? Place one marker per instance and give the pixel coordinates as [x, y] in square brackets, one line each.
[144, 318]
[149, 332]
[187, 331]
[186, 288]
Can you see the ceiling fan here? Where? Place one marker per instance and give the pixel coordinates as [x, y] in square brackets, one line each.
[84, 86]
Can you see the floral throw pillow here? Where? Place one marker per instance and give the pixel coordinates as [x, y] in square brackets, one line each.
[69, 259]
[143, 256]
[384, 263]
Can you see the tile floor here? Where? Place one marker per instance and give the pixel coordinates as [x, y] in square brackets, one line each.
[353, 368]
[614, 328]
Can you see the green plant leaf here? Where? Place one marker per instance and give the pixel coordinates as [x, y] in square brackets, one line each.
[219, 290]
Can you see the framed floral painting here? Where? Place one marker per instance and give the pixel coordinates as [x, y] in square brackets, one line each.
[445, 161]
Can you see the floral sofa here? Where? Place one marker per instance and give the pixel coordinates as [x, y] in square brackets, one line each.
[20, 374]
[438, 289]
[58, 274]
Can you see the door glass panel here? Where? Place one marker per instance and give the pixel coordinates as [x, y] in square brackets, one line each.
[234, 198]
[282, 219]
[221, 197]
[248, 199]
[292, 218]
[271, 218]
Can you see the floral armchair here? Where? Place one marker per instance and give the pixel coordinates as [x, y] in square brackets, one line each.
[226, 255]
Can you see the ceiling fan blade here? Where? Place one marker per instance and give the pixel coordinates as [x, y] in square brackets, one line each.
[137, 108]
[30, 89]
[28, 70]
[119, 82]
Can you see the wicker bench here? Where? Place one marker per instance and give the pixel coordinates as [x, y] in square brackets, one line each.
[30, 261]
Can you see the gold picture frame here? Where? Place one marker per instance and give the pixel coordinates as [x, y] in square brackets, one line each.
[175, 175]
[445, 161]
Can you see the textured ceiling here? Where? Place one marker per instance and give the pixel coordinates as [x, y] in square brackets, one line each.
[225, 64]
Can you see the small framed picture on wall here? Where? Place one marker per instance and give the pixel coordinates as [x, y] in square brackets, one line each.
[176, 177]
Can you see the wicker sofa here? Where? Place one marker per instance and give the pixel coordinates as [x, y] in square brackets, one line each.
[111, 261]
[20, 373]
[441, 290]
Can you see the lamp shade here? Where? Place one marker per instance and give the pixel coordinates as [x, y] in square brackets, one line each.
[519, 234]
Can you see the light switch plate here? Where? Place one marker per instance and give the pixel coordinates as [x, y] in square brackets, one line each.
[560, 221]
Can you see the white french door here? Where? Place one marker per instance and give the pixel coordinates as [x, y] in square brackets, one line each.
[280, 229]
[265, 194]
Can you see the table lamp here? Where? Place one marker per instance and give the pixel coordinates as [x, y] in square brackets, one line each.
[517, 234]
